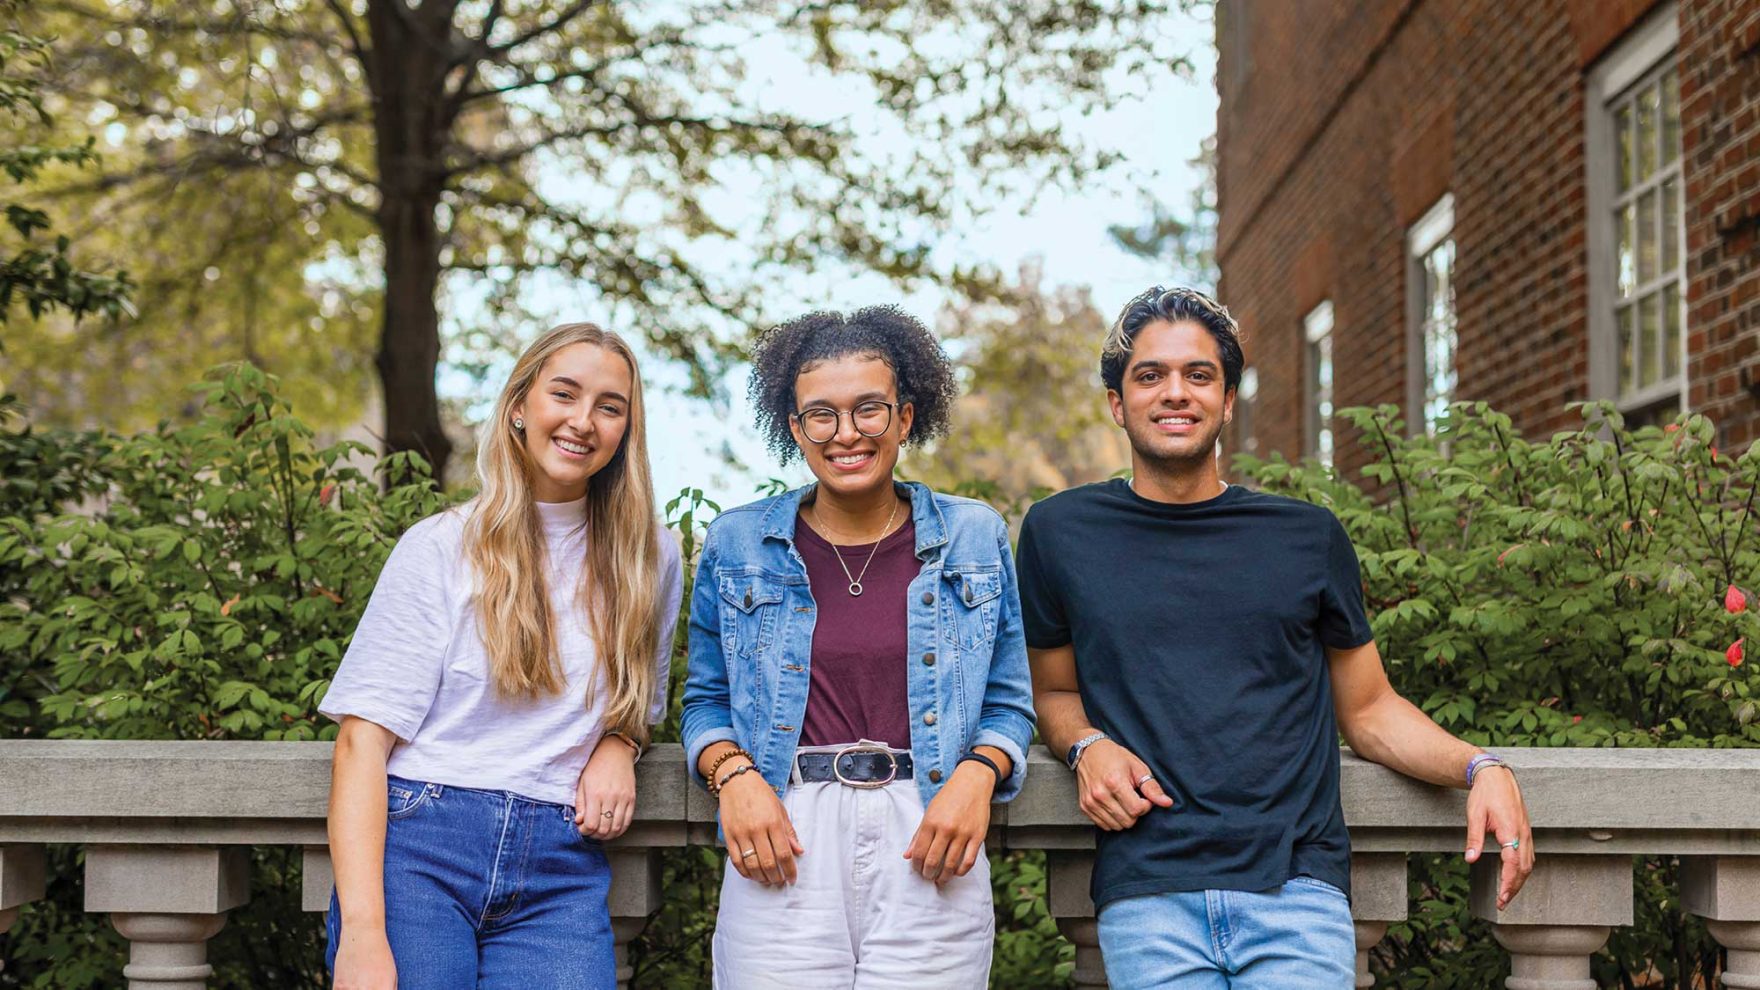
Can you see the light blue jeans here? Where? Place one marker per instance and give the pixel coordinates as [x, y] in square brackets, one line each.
[491, 890]
[1297, 935]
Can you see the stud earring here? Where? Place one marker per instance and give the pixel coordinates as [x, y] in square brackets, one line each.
[518, 423]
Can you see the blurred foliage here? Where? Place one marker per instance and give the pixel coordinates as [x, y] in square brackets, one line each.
[1570, 592]
[36, 270]
[1185, 240]
[1031, 416]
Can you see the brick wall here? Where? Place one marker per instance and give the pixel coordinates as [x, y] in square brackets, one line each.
[1720, 141]
[1340, 126]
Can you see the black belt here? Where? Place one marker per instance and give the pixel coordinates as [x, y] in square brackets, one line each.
[855, 767]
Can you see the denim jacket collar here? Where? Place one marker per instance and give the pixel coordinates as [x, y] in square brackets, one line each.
[779, 522]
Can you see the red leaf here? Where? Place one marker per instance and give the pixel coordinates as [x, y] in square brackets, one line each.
[226, 609]
[1575, 719]
[326, 493]
[1734, 654]
[1734, 602]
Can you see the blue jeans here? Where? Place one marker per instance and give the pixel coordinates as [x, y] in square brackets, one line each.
[1296, 935]
[492, 890]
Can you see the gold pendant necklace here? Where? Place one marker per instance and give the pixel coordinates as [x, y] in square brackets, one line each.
[855, 580]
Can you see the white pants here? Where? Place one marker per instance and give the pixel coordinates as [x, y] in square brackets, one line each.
[859, 917]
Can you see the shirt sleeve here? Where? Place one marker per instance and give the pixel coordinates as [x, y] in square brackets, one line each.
[671, 594]
[1042, 612]
[1344, 625]
[391, 672]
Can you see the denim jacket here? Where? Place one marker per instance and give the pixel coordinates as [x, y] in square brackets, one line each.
[751, 639]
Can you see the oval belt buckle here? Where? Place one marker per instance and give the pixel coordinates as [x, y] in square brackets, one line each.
[867, 785]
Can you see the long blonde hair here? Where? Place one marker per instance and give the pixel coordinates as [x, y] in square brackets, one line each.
[620, 582]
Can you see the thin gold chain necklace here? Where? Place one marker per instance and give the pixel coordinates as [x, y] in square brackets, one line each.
[855, 580]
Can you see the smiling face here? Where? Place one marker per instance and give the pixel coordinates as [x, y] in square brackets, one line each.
[576, 415]
[850, 464]
[1173, 403]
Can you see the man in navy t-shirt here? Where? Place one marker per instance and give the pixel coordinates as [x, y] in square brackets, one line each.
[1197, 649]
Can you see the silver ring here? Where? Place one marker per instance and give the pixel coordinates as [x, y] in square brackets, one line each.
[1511, 844]
[1144, 779]
[748, 853]
[607, 815]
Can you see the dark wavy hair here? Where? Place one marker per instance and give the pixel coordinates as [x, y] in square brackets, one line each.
[921, 368]
[1172, 306]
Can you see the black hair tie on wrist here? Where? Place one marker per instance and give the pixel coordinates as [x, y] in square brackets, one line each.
[977, 757]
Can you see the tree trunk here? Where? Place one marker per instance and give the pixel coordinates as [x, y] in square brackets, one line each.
[406, 69]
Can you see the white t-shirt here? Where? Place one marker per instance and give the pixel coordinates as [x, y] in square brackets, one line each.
[417, 665]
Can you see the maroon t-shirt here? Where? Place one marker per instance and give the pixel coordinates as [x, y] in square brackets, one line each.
[856, 688]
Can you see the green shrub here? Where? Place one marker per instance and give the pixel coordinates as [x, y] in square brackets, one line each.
[1561, 593]
[190, 583]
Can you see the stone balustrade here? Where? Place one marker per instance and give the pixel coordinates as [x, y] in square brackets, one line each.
[166, 826]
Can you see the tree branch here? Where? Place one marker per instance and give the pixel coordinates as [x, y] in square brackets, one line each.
[561, 20]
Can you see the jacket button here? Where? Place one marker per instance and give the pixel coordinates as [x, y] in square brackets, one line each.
[928, 598]
[928, 659]
[748, 598]
[934, 776]
[929, 719]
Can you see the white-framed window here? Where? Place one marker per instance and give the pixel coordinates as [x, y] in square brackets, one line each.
[1317, 330]
[1431, 378]
[1246, 397]
[1637, 236]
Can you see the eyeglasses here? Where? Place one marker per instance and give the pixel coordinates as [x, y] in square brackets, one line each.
[870, 418]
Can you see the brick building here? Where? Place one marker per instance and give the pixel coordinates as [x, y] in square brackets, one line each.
[1530, 203]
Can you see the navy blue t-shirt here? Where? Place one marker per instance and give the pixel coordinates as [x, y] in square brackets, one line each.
[1200, 634]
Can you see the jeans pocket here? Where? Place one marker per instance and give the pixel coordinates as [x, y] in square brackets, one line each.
[402, 802]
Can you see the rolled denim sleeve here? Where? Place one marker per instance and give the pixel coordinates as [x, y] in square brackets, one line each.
[1006, 718]
[708, 713]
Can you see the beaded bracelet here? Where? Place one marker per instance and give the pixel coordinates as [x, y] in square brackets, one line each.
[736, 771]
[715, 767]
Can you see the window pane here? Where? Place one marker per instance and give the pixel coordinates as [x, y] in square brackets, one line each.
[1325, 346]
[1671, 225]
[1671, 325]
[1647, 132]
[1646, 237]
[1623, 121]
[1649, 341]
[1625, 219]
[1624, 317]
[1671, 116]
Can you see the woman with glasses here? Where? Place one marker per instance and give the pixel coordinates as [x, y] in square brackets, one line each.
[858, 692]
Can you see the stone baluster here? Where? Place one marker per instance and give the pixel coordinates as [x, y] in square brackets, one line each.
[1067, 876]
[634, 897]
[1378, 899]
[1725, 891]
[22, 876]
[317, 878]
[167, 901]
[1560, 918]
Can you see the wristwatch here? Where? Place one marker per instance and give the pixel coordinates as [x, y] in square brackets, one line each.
[1081, 746]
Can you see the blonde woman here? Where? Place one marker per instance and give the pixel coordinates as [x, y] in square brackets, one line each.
[497, 693]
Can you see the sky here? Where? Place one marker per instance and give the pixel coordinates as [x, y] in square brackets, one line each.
[713, 446]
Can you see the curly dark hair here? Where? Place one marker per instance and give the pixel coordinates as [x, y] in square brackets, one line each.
[1172, 306]
[924, 374]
